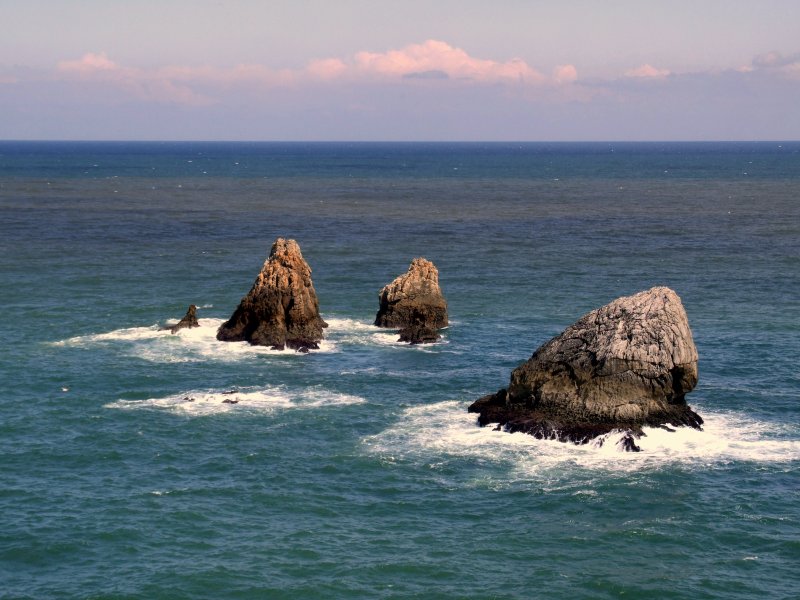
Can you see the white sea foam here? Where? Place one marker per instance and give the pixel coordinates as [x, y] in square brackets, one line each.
[261, 400]
[355, 332]
[429, 432]
[352, 331]
[156, 344]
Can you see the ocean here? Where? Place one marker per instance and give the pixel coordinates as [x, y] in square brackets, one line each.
[355, 471]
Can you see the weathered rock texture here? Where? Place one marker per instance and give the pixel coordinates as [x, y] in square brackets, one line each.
[189, 320]
[414, 303]
[281, 310]
[623, 366]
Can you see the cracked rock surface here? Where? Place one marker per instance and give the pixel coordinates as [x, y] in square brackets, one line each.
[281, 310]
[622, 366]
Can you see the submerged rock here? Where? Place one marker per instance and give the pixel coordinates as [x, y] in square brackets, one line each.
[623, 366]
[414, 303]
[189, 320]
[281, 310]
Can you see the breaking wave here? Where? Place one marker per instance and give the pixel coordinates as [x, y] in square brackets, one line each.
[446, 429]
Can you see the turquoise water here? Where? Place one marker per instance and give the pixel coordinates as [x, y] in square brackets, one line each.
[355, 471]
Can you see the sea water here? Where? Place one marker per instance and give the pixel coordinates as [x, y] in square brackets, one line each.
[355, 471]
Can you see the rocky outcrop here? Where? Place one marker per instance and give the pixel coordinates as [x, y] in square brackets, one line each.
[626, 365]
[281, 310]
[189, 320]
[414, 304]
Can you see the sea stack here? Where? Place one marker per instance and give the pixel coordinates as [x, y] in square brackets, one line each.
[189, 320]
[281, 310]
[414, 304]
[623, 366]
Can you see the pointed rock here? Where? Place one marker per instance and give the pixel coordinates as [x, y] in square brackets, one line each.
[189, 320]
[414, 303]
[626, 365]
[281, 310]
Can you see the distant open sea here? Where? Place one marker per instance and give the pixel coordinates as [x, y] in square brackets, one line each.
[355, 471]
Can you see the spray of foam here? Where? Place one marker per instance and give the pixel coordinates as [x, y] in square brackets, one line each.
[156, 344]
[263, 400]
[445, 429]
[187, 345]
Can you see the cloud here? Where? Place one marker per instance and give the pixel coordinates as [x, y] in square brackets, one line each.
[147, 85]
[432, 62]
[775, 62]
[432, 74]
[441, 57]
[565, 74]
[88, 63]
[647, 71]
[326, 69]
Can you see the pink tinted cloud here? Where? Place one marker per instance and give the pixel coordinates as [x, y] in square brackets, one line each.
[145, 85]
[431, 60]
[87, 63]
[326, 69]
[647, 71]
[434, 56]
[565, 74]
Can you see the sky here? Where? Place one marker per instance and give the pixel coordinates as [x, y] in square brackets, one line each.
[383, 70]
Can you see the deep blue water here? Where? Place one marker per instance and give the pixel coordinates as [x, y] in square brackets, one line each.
[355, 471]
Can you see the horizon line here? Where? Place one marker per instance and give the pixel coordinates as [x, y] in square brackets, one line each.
[396, 141]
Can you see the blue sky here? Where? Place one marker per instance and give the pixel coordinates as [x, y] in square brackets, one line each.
[394, 70]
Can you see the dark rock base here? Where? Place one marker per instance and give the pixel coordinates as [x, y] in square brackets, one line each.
[520, 418]
[419, 334]
[302, 346]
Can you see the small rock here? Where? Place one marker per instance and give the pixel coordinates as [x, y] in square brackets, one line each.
[189, 320]
[414, 303]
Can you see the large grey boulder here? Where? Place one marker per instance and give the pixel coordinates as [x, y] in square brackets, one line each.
[281, 310]
[414, 303]
[625, 365]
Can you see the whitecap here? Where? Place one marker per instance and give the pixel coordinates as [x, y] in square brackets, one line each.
[357, 332]
[126, 334]
[260, 400]
[429, 432]
[157, 344]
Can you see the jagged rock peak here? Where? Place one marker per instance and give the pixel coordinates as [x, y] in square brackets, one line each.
[414, 303]
[625, 365]
[189, 320]
[281, 308]
[284, 260]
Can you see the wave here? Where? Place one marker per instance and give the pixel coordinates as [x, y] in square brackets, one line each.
[428, 432]
[261, 400]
